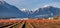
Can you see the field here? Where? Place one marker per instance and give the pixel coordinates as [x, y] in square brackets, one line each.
[29, 23]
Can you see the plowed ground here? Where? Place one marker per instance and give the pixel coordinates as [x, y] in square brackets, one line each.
[29, 23]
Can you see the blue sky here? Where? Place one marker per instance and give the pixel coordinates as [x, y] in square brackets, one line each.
[33, 4]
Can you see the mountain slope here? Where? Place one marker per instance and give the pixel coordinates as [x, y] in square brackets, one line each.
[7, 10]
[46, 12]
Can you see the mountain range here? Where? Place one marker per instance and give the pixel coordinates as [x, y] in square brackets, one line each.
[10, 11]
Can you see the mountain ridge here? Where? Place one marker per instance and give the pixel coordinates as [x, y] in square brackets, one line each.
[7, 10]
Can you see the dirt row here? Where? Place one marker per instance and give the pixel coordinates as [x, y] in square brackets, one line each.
[31, 24]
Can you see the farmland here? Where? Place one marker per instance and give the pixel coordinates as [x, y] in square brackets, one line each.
[29, 23]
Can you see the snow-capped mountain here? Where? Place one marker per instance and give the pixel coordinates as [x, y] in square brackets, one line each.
[24, 9]
[48, 11]
[9, 11]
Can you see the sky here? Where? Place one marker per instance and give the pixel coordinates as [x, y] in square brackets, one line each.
[33, 4]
